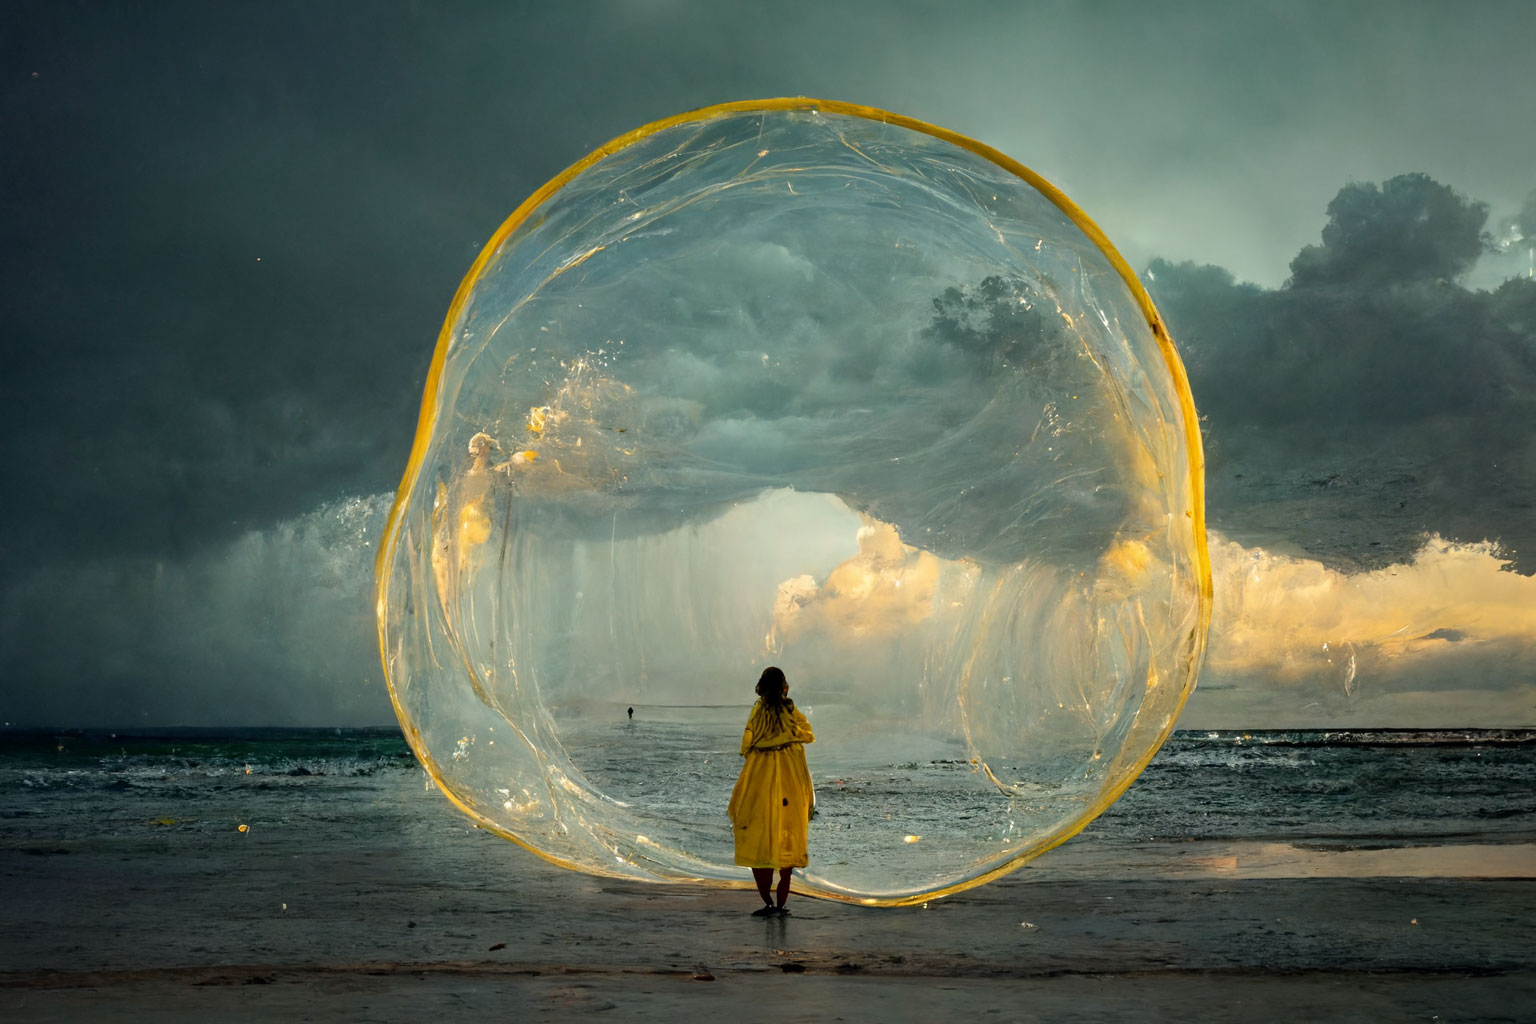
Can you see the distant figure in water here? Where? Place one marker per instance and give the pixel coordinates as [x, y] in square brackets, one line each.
[631, 712]
[773, 801]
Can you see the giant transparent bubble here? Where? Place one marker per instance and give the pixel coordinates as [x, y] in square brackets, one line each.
[798, 383]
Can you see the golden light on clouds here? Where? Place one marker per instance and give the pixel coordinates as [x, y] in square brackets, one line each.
[884, 590]
[1276, 611]
[1446, 638]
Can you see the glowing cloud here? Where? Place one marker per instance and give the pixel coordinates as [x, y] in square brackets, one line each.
[1287, 630]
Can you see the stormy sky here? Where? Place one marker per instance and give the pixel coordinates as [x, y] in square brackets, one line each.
[230, 233]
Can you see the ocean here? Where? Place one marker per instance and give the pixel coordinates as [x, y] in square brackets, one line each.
[276, 874]
[1339, 790]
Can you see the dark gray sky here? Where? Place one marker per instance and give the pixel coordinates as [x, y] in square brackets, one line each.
[230, 232]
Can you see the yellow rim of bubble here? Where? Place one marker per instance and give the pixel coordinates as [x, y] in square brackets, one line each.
[1195, 512]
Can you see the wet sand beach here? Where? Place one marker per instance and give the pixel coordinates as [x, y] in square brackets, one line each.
[386, 906]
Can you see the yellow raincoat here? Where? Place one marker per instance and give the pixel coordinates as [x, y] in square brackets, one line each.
[772, 803]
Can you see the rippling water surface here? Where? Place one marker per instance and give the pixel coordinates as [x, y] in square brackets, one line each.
[1357, 789]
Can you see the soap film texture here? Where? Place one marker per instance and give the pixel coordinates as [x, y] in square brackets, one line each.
[807, 385]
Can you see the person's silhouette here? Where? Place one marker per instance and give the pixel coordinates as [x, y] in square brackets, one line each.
[774, 799]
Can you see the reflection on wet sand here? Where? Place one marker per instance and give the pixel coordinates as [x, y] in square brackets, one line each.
[1192, 859]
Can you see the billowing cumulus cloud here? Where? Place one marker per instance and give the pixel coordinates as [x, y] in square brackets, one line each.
[1445, 638]
[1411, 228]
[1373, 400]
[885, 590]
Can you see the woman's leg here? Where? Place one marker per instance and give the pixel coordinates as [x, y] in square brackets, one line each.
[764, 879]
[783, 885]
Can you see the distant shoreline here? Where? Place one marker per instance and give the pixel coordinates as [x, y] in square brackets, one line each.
[18, 737]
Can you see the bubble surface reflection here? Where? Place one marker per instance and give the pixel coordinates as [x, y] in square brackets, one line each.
[803, 383]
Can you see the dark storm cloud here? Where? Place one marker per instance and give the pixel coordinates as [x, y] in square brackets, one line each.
[272, 627]
[229, 233]
[190, 344]
[1373, 399]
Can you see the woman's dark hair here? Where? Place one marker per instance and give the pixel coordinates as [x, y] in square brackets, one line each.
[770, 688]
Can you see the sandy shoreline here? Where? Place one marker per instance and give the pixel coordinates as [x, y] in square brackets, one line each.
[376, 995]
[396, 908]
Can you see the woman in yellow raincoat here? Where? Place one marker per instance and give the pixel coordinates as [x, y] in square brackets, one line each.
[773, 801]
